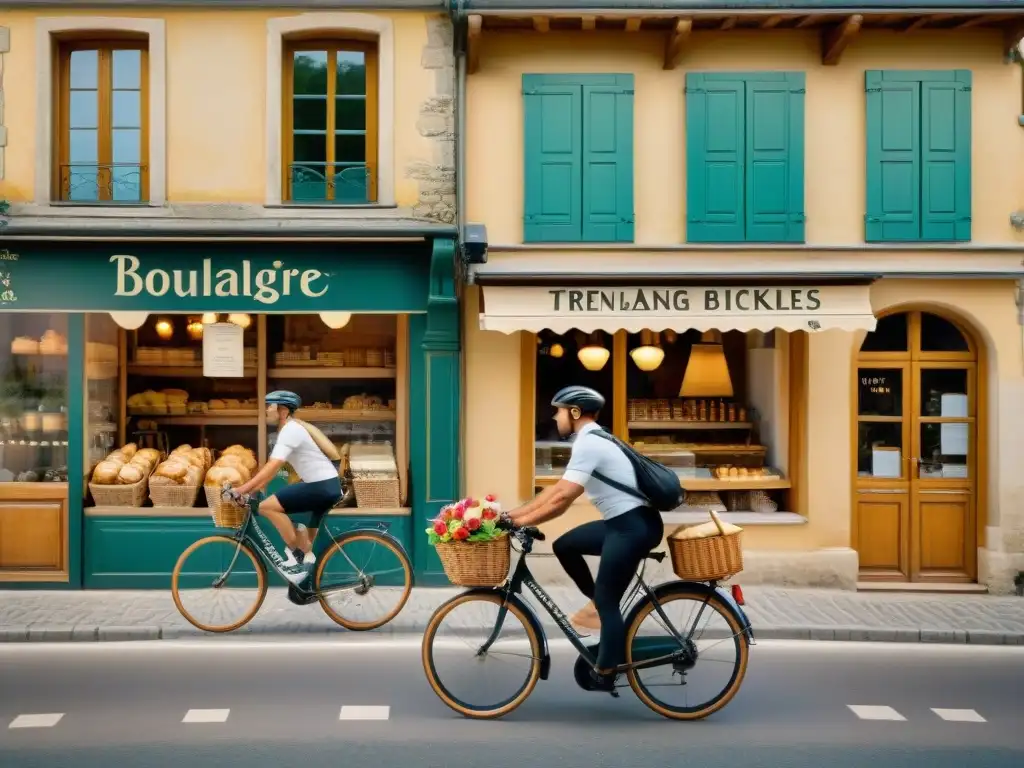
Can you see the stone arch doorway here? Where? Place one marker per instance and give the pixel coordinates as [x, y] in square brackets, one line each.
[916, 461]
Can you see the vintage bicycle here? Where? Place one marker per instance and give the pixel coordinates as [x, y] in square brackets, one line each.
[677, 652]
[231, 570]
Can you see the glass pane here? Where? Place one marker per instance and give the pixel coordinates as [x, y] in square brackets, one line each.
[309, 114]
[82, 183]
[101, 387]
[880, 449]
[126, 184]
[944, 451]
[350, 113]
[308, 183]
[127, 70]
[310, 147]
[83, 146]
[940, 335]
[33, 395]
[310, 73]
[351, 185]
[85, 69]
[350, 148]
[890, 335]
[127, 109]
[126, 146]
[880, 392]
[84, 109]
[944, 392]
[351, 73]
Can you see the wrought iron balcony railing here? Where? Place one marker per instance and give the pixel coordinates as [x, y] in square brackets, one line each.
[329, 183]
[116, 183]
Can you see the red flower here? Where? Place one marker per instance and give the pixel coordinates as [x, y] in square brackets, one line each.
[470, 502]
[458, 514]
[440, 528]
[490, 497]
[461, 533]
[489, 514]
[473, 523]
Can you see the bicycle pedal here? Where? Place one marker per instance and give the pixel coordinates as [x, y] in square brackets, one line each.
[614, 693]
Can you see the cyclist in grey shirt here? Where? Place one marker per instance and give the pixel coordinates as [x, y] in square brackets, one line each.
[622, 537]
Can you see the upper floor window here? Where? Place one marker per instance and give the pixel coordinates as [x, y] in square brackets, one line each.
[918, 155]
[102, 142]
[745, 157]
[330, 122]
[578, 152]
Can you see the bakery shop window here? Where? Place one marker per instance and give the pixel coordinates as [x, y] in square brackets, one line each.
[34, 397]
[564, 359]
[710, 405]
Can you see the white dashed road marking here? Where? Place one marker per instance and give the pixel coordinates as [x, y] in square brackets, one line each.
[959, 715]
[875, 713]
[206, 716]
[36, 721]
[365, 713]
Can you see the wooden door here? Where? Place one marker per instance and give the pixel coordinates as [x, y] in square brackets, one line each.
[915, 452]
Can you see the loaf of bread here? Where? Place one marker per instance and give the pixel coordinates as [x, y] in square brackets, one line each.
[217, 476]
[125, 466]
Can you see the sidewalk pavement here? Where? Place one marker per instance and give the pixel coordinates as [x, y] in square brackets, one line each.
[775, 613]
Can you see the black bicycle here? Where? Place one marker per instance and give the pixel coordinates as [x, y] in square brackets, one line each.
[653, 642]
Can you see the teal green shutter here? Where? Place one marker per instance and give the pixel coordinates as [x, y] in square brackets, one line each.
[893, 159]
[946, 158]
[553, 155]
[774, 210]
[715, 145]
[608, 162]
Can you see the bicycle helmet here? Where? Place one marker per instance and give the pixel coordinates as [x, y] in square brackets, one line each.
[289, 400]
[586, 399]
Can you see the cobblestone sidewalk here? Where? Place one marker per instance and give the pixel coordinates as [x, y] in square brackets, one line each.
[775, 613]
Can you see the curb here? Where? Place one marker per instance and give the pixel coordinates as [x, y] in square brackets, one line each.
[43, 634]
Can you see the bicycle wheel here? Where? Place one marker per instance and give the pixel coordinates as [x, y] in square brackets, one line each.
[195, 593]
[711, 629]
[518, 645]
[363, 571]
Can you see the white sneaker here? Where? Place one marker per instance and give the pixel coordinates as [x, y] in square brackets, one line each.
[295, 571]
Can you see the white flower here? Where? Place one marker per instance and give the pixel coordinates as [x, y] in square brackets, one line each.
[474, 513]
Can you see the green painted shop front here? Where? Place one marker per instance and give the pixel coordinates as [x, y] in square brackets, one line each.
[412, 277]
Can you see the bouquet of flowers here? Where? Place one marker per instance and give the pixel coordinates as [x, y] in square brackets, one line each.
[469, 520]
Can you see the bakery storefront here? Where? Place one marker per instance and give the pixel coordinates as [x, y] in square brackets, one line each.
[147, 348]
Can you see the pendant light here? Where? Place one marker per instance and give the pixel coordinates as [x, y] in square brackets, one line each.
[707, 372]
[649, 355]
[557, 350]
[164, 328]
[240, 319]
[130, 321]
[335, 320]
[594, 355]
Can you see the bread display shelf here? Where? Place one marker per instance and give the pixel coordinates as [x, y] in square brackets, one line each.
[709, 425]
[208, 419]
[176, 371]
[107, 511]
[739, 484]
[343, 415]
[331, 372]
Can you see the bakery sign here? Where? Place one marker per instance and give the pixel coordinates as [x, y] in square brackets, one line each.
[634, 308]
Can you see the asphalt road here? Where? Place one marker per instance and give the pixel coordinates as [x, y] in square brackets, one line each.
[365, 701]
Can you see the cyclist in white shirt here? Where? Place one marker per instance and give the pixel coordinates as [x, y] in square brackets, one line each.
[623, 536]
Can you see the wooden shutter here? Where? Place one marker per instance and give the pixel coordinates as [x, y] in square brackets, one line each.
[553, 177]
[946, 157]
[608, 161]
[715, 147]
[893, 158]
[774, 191]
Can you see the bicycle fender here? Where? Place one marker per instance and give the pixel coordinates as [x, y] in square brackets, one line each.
[531, 616]
[716, 593]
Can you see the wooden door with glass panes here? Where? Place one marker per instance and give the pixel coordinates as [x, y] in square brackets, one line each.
[915, 451]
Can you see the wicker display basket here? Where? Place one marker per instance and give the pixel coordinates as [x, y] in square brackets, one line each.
[167, 495]
[711, 559]
[476, 564]
[225, 513]
[133, 495]
[377, 493]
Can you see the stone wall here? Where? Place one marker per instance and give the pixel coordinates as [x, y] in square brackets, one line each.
[5, 46]
[436, 179]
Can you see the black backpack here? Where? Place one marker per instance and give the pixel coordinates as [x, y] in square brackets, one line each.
[657, 485]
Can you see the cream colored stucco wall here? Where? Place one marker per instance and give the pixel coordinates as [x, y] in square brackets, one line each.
[835, 121]
[492, 413]
[216, 101]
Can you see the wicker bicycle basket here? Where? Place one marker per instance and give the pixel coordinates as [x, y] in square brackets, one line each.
[225, 514]
[476, 564]
[709, 559]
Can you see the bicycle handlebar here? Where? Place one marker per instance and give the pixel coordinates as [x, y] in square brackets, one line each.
[527, 530]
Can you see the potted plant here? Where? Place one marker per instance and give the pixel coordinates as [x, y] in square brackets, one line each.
[472, 549]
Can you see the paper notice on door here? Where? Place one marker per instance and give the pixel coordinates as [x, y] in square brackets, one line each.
[223, 350]
[886, 462]
[953, 439]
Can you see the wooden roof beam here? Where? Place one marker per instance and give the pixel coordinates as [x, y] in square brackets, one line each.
[541, 24]
[807, 21]
[728, 23]
[633, 24]
[589, 23]
[474, 31]
[922, 21]
[771, 22]
[835, 40]
[676, 43]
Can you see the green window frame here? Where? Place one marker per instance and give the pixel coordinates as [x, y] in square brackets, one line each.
[578, 156]
[745, 157]
[918, 156]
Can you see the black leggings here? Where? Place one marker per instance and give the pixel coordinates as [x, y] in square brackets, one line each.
[622, 543]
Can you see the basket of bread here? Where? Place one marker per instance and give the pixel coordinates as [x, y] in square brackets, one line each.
[120, 479]
[374, 475]
[235, 466]
[176, 481]
[708, 552]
